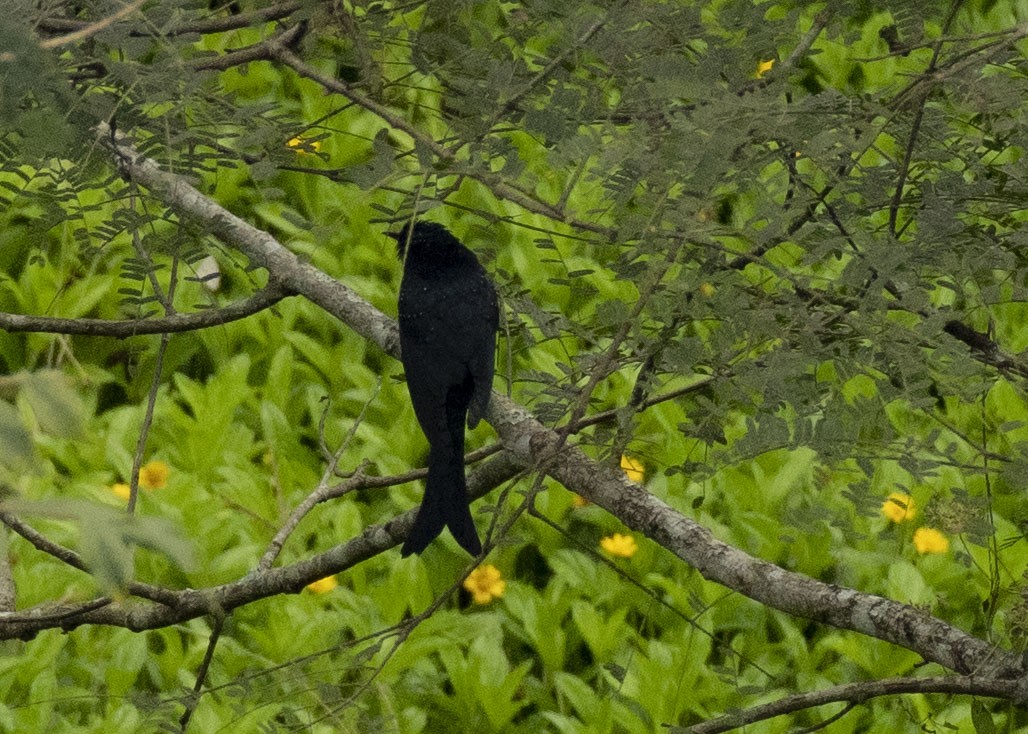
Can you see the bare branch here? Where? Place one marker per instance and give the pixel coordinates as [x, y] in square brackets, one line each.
[211, 25]
[91, 29]
[265, 50]
[856, 693]
[201, 674]
[41, 542]
[923, 85]
[263, 299]
[144, 429]
[8, 591]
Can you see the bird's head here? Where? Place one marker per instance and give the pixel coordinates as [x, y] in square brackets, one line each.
[425, 238]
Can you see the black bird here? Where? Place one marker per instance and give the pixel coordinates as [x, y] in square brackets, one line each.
[448, 321]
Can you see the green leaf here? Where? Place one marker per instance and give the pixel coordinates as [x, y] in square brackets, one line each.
[108, 537]
[57, 405]
[16, 453]
[981, 718]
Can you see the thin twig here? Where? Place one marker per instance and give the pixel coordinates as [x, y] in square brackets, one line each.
[261, 51]
[201, 673]
[210, 25]
[93, 28]
[915, 129]
[512, 102]
[294, 62]
[40, 542]
[325, 490]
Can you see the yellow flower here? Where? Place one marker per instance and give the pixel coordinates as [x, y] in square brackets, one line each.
[622, 546]
[323, 586]
[304, 147]
[930, 540]
[154, 475]
[898, 507]
[764, 67]
[707, 290]
[485, 583]
[633, 468]
[121, 490]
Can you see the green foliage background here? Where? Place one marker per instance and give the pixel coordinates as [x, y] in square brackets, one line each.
[746, 231]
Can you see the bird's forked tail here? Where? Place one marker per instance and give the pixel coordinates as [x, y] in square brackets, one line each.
[445, 504]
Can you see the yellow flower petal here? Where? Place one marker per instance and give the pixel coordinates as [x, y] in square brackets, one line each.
[485, 583]
[121, 490]
[323, 586]
[154, 475]
[899, 506]
[304, 147]
[633, 468]
[622, 546]
[764, 67]
[930, 540]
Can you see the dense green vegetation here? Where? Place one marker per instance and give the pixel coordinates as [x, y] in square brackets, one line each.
[787, 299]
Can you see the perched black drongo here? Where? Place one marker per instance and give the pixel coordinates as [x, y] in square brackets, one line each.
[448, 321]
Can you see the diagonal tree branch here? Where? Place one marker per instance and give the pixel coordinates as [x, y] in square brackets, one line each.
[294, 275]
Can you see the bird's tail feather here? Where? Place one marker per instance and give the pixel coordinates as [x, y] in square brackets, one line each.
[445, 504]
